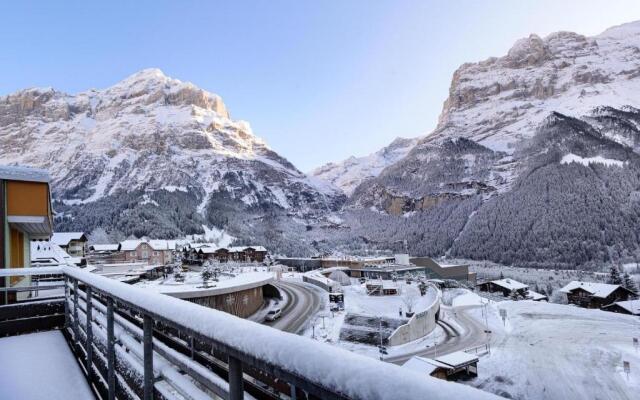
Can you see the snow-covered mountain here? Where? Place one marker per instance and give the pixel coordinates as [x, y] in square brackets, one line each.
[153, 143]
[535, 159]
[350, 173]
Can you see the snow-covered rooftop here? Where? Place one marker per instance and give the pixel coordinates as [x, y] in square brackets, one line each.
[105, 247]
[457, 358]
[596, 289]
[63, 238]
[423, 365]
[15, 173]
[161, 244]
[47, 252]
[128, 245]
[633, 306]
[531, 295]
[510, 284]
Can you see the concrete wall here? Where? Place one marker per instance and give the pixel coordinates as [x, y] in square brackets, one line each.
[420, 325]
[319, 282]
[457, 272]
[242, 303]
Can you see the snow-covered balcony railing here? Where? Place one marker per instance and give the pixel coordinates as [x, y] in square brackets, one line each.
[134, 343]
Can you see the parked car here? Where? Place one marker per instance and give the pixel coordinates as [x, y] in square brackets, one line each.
[274, 314]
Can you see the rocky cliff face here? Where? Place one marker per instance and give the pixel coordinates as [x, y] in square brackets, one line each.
[153, 141]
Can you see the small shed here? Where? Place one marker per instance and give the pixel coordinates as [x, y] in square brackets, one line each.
[630, 307]
[451, 367]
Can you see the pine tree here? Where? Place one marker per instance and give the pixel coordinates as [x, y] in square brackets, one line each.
[614, 276]
[629, 283]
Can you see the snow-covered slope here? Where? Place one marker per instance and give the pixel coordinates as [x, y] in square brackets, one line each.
[149, 134]
[350, 173]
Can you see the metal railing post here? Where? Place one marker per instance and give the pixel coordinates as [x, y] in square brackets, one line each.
[66, 302]
[148, 357]
[89, 331]
[236, 384]
[111, 351]
[76, 338]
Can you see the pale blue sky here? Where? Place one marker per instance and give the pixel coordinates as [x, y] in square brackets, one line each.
[319, 80]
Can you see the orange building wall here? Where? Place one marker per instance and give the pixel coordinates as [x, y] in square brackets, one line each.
[27, 198]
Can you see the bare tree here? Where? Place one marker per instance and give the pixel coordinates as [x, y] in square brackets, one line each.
[410, 297]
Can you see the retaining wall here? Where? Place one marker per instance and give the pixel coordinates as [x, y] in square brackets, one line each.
[420, 325]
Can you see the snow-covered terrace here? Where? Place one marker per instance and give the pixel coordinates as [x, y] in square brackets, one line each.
[319, 369]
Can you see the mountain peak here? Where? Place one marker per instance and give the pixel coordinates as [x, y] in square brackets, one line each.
[527, 52]
[147, 74]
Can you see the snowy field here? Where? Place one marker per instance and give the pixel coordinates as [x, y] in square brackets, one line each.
[553, 351]
[40, 366]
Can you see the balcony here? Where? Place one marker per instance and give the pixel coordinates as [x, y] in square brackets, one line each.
[133, 344]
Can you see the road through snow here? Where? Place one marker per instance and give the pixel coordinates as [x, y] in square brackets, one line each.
[463, 332]
[303, 301]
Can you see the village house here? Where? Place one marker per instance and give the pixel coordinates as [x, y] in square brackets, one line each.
[255, 253]
[508, 287]
[198, 253]
[153, 252]
[451, 367]
[73, 243]
[595, 295]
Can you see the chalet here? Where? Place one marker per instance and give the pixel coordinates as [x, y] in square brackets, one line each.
[631, 307]
[255, 253]
[222, 254]
[451, 367]
[153, 252]
[73, 243]
[508, 287]
[25, 215]
[236, 253]
[595, 295]
[207, 253]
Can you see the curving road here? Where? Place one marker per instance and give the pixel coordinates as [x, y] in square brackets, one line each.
[465, 332]
[301, 302]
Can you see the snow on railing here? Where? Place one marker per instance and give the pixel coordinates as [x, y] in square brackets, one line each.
[318, 369]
